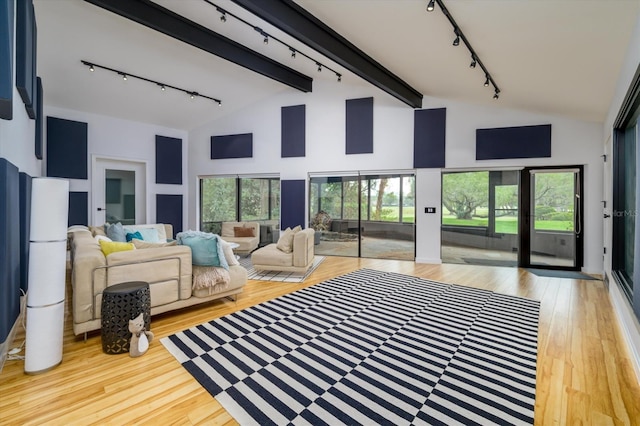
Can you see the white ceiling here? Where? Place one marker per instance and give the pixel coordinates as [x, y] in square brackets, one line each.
[552, 56]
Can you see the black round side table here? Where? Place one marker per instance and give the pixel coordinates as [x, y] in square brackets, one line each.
[121, 303]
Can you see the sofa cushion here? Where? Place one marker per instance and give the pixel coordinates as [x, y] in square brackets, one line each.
[141, 244]
[241, 231]
[115, 246]
[271, 255]
[206, 249]
[116, 232]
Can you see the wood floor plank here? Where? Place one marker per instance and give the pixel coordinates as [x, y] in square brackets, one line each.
[584, 370]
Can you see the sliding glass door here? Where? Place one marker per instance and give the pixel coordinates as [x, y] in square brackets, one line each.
[480, 217]
[528, 218]
[555, 220]
[364, 215]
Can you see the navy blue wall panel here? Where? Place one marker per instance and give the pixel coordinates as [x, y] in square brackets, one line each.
[169, 210]
[66, 148]
[232, 146]
[513, 142]
[359, 126]
[39, 119]
[6, 59]
[25, 54]
[429, 138]
[293, 125]
[168, 160]
[292, 203]
[78, 208]
[25, 227]
[9, 247]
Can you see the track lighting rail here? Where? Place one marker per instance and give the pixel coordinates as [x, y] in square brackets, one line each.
[163, 86]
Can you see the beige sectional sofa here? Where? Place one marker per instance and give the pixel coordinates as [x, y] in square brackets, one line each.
[168, 271]
[295, 255]
[246, 244]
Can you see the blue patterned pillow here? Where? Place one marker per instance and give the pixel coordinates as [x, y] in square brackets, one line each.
[206, 249]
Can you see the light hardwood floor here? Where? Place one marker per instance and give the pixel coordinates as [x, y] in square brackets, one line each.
[584, 374]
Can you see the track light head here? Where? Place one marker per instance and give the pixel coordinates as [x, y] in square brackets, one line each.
[473, 62]
[456, 41]
[124, 77]
[266, 39]
[496, 96]
[223, 17]
[319, 66]
[162, 87]
[339, 78]
[486, 82]
[431, 6]
[293, 52]
[219, 103]
[193, 95]
[91, 68]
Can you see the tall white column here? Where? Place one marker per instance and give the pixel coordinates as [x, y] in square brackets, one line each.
[47, 267]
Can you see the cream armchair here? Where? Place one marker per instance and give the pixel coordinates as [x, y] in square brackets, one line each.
[277, 257]
[245, 234]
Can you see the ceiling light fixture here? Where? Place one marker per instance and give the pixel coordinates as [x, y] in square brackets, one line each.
[92, 66]
[268, 36]
[431, 6]
[475, 60]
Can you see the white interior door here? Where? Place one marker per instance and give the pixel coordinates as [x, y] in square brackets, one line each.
[119, 189]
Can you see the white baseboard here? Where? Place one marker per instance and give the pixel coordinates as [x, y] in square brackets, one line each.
[628, 323]
[433, 261]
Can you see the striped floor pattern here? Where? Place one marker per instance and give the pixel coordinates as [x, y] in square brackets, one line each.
[368, 348]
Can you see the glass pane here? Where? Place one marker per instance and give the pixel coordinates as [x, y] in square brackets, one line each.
[388, 233]
[120, 194]
[408, 199]
[333, 202]
[275, 201]
[217, 202]
[480, 218]
[629, 219]
[553, 241]
[254, 199]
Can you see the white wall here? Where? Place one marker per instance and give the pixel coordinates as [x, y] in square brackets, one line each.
[115, 138]
[573, 143]
[17, 138]
[629, 322]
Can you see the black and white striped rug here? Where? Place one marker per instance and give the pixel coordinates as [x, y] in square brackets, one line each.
[368, 348]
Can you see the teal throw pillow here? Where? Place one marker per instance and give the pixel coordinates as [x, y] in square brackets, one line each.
[206, 249]
[115, 231]
[130, 236]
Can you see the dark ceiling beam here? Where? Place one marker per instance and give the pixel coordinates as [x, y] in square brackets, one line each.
[302, 25]
[170, 23]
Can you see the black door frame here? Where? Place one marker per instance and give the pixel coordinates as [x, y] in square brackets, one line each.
[526, 209]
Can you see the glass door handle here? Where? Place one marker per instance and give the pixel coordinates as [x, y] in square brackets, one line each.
[100, 209]
[607, 216]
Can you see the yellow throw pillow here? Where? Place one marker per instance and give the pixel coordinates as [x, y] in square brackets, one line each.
[115, 246]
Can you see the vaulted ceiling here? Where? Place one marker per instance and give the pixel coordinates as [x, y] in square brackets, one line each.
[553, 56]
